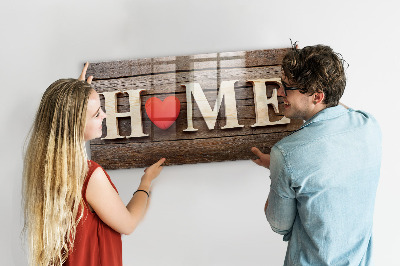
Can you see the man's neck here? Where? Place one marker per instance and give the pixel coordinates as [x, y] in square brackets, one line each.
[318, 108]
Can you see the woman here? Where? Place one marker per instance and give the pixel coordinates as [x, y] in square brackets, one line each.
[73, 213]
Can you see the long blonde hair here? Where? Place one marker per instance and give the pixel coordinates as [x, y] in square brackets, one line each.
[55, 167]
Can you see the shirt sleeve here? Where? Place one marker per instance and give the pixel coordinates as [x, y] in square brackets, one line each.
[281, 210]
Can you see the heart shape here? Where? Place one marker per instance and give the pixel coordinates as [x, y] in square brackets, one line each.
[163, 113]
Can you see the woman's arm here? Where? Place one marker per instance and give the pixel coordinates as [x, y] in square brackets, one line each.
[108, 205]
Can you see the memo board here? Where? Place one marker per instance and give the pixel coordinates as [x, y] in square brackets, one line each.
[189, 109]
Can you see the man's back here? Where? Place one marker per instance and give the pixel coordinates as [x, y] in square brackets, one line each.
[328, 171]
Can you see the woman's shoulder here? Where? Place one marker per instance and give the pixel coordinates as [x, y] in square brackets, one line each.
[93, 166]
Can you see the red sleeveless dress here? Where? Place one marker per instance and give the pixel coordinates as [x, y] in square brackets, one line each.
[95, 242]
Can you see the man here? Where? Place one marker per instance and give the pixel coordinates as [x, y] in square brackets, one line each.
[324, 175]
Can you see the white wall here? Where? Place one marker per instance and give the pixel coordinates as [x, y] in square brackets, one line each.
[205, 214]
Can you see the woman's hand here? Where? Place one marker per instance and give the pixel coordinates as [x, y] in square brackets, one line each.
[151, 172]
[83, 74]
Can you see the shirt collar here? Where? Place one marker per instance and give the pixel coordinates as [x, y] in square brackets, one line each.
[326, 114]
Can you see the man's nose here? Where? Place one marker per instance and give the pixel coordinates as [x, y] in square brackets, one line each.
[281, 92]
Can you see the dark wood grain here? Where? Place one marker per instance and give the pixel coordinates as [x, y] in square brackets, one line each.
[137, 67]
[166, 76]
[183, 151]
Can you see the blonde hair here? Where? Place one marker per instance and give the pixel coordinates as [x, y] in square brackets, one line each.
[55, 167]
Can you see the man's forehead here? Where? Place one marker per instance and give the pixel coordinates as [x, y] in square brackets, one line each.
[285, 79]
[283, 73]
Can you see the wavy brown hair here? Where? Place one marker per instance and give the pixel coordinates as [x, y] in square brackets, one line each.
[316, 69]
[55, 167]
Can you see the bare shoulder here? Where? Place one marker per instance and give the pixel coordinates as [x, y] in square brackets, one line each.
[98, 173]
[98, 183]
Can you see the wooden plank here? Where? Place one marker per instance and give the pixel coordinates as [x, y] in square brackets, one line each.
[182, 152]
[172, 82]
[131, 68]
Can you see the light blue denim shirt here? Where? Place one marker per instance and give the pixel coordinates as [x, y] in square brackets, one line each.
[323, 183]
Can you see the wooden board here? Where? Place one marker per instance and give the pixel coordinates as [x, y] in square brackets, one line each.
[166, 76]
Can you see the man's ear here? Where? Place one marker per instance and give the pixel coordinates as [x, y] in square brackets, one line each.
[318, 97]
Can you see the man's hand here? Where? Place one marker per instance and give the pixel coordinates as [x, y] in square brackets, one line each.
[83, 74]
[263, 160]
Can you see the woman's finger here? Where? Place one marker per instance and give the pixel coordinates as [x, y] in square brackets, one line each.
[161, 161]
[83, 74]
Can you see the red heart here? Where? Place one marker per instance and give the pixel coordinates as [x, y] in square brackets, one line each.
[163, 113]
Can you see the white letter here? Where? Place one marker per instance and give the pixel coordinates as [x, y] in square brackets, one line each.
[261, 103]
[226, 91]
[135, 114]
